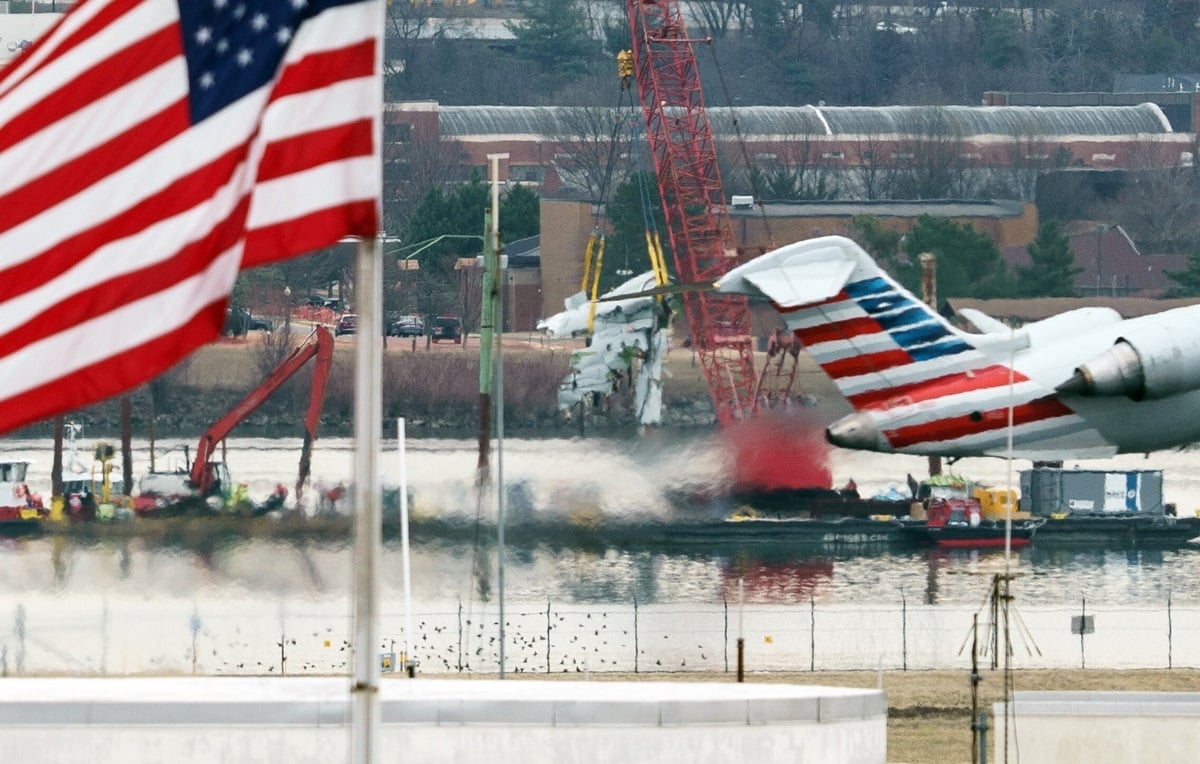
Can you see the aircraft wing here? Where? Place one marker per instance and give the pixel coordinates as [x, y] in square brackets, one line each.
[984, 322]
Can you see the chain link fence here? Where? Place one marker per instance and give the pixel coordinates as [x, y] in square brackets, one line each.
[229, 636]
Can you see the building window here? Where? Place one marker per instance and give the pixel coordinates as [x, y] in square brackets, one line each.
[526, 173]
[397, 133]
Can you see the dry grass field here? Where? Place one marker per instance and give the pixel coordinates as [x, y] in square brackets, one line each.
[929, 712]
[232, 362]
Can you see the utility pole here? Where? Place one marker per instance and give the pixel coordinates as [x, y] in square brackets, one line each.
[928, 262]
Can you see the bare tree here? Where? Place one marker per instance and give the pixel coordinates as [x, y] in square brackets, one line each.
[875, 170]
[718, 17]
[930, 166]
[594, 148]
[806, 169]
[413, 166]
[1159, 204]
[1029, 157]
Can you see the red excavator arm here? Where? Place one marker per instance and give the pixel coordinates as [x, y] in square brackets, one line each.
[320, 345]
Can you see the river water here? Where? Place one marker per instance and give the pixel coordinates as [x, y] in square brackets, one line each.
[129, 605]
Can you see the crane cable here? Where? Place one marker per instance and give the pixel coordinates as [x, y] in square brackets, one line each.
[751, 170]
[653, 242]
[781, 393]
[593, 256]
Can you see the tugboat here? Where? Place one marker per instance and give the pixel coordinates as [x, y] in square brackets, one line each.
[960, 523]
[21, 510]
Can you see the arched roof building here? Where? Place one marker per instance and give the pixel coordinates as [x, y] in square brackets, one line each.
[548, 145]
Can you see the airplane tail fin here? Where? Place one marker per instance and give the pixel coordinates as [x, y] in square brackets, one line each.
[870, 335]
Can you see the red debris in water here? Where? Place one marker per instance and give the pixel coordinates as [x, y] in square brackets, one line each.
[778, 451]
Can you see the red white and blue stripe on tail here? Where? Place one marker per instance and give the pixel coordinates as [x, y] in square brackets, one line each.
[919, 384]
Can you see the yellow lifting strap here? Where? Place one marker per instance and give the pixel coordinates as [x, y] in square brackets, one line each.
[657, 263]
[593, 241]
[598, 256]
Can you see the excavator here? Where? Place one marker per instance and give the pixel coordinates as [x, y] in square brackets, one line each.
[207, 481]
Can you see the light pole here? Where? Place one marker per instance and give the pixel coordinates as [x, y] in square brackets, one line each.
[1100, 229]
[287, 310]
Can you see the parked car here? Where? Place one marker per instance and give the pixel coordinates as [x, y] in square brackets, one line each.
[406, 326]
[347, 324]
[239, 321]
[447, 328]
[258, 323]
[317, 301]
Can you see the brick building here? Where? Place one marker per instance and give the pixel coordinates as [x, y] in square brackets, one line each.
[551, 146]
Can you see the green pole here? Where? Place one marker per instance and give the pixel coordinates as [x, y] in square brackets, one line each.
[487, 322]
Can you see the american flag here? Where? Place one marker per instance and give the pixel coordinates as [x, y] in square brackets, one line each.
[149, 150]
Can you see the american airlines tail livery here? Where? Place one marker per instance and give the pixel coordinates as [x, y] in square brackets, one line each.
[1082, 384]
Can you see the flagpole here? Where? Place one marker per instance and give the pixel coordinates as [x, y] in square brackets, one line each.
[368, 535]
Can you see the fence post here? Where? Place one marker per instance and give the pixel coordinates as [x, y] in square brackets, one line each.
[195, 626]
[1170, 661]
[725, 600]
[103, 640]
[635, 634]
[903, 631]
[19, 628]
[547, 635]
[812, 633]
[1082, 629]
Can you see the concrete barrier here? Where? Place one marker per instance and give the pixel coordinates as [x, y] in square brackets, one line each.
[1099, 727]
[263, 720]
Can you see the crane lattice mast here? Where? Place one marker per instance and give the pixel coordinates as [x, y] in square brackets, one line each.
[685, 161]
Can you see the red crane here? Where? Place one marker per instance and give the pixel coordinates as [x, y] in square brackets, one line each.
[685, 160]
[318, 345]
[770, 455]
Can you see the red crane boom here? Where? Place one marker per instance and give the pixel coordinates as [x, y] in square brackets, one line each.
[318, 345]
[685, 161]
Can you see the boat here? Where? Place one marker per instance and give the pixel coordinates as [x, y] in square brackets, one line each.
[958, 522]
[21, 510]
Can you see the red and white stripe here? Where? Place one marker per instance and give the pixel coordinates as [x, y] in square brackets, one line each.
[864, 361]
[123, 228]
[972, 397]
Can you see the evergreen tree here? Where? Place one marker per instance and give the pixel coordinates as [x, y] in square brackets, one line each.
[968, 261]
[1187, 281]
[459, 212]
[520, 213]
[554, 36]
[881, 243]
[1052, 272]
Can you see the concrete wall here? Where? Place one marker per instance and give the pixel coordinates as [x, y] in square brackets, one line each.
[566, 226]
[266, 720]
[523, 299]
[1099, 727]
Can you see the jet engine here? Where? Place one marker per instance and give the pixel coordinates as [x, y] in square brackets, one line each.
[1151, 361]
